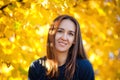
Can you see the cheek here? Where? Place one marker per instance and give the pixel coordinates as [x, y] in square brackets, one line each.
[72, 39]
[57, 36]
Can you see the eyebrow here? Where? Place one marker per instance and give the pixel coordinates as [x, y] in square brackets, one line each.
[70, 30]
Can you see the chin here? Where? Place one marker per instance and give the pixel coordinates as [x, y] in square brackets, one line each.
[62, 50]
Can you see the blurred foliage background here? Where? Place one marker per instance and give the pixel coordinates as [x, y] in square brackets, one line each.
[24, 26]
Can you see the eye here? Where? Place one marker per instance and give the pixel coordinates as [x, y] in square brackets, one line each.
[71, 34]
[59, 31]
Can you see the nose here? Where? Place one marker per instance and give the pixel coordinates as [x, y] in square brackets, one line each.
[64, 36]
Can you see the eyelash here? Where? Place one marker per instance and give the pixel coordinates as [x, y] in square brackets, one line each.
[60, 31]
[71, 34]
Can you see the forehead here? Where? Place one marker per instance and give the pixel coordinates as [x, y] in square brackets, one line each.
[67, 24]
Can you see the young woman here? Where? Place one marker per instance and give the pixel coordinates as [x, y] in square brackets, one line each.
[66, 58]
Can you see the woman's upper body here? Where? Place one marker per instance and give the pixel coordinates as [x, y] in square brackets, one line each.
[84, 71]
[66, 58]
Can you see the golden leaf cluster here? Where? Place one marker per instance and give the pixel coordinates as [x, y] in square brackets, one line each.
[24, 26]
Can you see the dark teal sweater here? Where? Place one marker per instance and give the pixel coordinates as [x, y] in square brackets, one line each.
[84, 71]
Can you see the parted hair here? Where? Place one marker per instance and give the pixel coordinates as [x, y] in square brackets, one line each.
[75, 51]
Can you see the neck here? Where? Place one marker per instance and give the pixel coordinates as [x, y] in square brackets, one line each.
[61, 58]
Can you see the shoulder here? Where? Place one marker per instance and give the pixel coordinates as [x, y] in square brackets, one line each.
[36, 68]
[38, 63]
[84, 68]
[84, 63]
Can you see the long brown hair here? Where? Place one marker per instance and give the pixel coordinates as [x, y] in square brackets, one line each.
[75, 51]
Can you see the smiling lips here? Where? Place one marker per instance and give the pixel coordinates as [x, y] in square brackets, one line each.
[62, 44]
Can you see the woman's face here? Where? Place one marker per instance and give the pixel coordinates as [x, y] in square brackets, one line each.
[65, 35]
